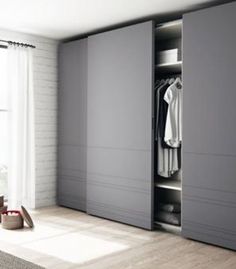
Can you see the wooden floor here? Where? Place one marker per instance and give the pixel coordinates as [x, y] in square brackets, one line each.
[68, 239]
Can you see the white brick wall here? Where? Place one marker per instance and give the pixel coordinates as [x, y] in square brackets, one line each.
[45, 86]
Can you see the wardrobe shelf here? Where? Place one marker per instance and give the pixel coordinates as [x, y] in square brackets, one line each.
[168, 227]
[175, 67]
[169, 184]
[169, 30]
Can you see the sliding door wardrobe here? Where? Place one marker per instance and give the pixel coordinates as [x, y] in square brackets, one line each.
[209, 113]
[108, 142]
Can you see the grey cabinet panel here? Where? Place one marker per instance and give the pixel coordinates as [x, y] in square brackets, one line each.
[133, 164]
[72, 160]
[117, 184]
[209, 196]
[72, 157]
[207, 220]
[209, 186]
[209, 42]
[210, 172]
[120, 88]
[73, 93]
[72, 191]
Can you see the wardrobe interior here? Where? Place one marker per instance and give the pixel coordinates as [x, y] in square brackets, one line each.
[167, 159]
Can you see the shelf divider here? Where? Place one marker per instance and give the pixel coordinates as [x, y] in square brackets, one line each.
[175, 67]
[169, 184]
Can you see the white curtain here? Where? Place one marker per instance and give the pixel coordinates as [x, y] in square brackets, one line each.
[21, 165]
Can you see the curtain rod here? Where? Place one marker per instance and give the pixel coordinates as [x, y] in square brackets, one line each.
[17, 44]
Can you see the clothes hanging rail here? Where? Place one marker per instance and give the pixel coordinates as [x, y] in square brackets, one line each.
[9, 42]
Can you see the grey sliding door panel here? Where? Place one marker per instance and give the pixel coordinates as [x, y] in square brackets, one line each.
[209, 43]
[120, 88]
[72, 128]
[209, 112]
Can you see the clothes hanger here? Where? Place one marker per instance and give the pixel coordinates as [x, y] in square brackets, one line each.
[178, 83]
[172, 80]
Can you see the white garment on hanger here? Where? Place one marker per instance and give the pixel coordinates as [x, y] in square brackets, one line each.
[173, 129]
[167, 159]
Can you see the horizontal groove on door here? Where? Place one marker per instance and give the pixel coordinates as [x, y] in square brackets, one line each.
[132, 179]
[68, 169]
[212, 228]
[117, 208]
[76, 172]
[205, 188]
[209, 201]
[72, 145]
[210, 195]
[72, 202]
[206, 237]
[73, 173]
[68, 196]
[131, 219]
[210, 153]
[118, 186]
[104, 147]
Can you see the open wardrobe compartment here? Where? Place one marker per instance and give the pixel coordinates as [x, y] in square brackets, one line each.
[146, 125]
[168, 125]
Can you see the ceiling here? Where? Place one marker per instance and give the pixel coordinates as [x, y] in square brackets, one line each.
[62, 19]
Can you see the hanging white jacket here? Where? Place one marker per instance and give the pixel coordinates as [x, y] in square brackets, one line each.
[167, 159]
[173, 128]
